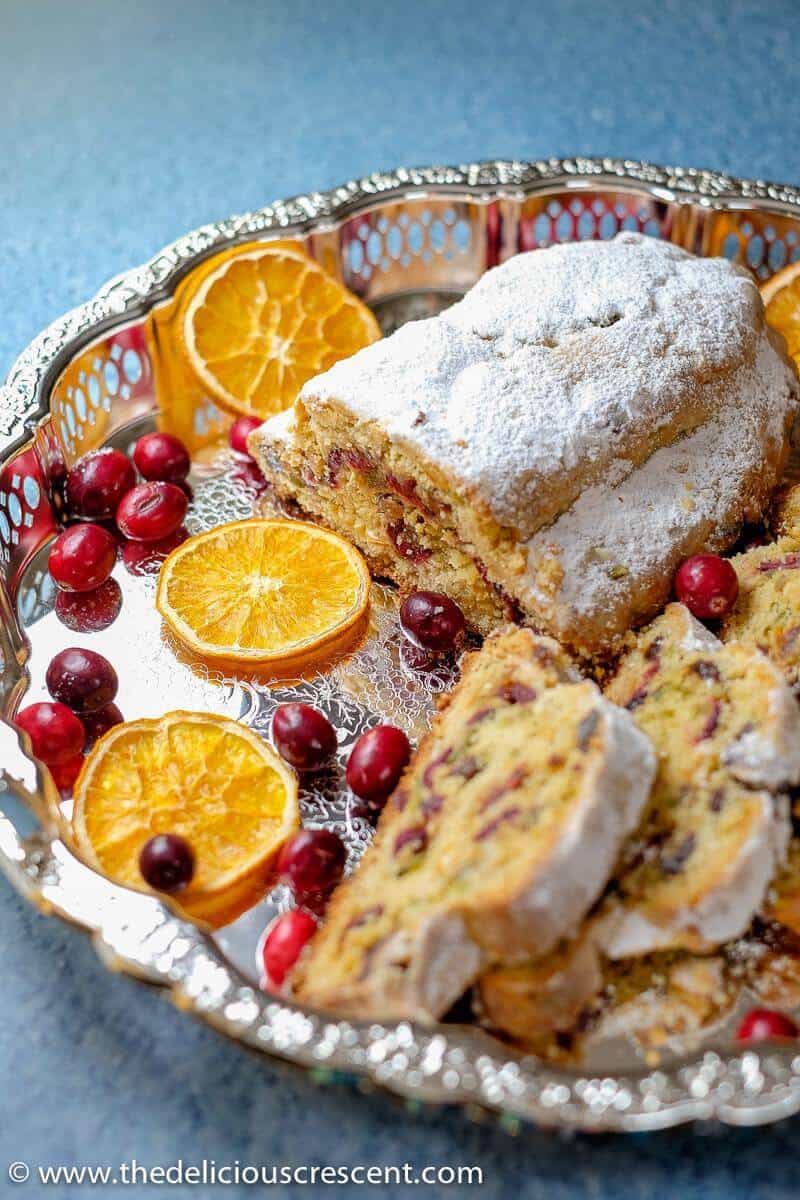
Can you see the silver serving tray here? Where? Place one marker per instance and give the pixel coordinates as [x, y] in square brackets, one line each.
[407, 242]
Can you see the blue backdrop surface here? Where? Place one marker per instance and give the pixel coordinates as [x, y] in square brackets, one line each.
[121, 126]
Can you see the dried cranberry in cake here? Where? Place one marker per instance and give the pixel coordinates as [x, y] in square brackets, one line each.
[432, 621]
[151, 511]
[285, 939]
[82, 679]
[312, 863]
[766, 1025]
[97, 483]
[90, 612]
[166, 862]
[303, 736]
[99, 722]
[161, 456]
[707, 585]
[56, 733]
[240, 431]
[377, 761]
[82, 558]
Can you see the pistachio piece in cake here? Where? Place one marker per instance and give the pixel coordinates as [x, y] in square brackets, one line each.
[499, 838]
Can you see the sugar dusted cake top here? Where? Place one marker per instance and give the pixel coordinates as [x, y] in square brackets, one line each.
[560, 366]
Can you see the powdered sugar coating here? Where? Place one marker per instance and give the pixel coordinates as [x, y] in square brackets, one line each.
[556, 365]
[619, 546]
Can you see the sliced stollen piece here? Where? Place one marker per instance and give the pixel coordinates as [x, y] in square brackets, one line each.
[767, 610]
[457, 452]
[726, 730]
[500, 837]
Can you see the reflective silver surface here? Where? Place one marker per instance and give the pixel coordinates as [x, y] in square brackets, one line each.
[407, 242]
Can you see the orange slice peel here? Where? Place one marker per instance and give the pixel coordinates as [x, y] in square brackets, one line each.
[263, 323]
[206, 777]
[263, 592]
[781, 296]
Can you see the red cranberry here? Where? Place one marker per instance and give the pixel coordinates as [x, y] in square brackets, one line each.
[432, 620]
[376, 762]
[303, 736]
[65, 774]
[240, 430]
[707, 585]
[167, 862]
[161, 456]
[90, 612]
[765, 1025]
[151, 511]
[56, 733]
[97, 483]
[99, 722]
[82, 679]
[312, 863]
[83, 557]
[286, 937]
[145, 558]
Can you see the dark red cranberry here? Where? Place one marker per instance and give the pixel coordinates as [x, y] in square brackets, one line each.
[707, 585]
[97, 483]
[303, 736]
[145, 558]
[82, 557]
[285, 938]
[99, 722]
[312, 863]
[376, 762]
[432, 621]
[151, 511]
[240, 430]
[765, 1025]
[167, 862]
[161, 456]
[82, 679]
[65, 774]
[56, 734]
[90, 612]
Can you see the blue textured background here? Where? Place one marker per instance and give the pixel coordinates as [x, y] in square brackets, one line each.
[121, 126]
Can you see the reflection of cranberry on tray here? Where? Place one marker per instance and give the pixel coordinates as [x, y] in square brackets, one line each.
[90, 612]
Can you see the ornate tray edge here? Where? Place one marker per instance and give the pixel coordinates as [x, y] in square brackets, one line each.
[146, 939]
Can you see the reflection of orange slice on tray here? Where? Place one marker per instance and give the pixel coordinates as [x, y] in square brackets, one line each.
[263, 323]
[781, 296]
[205, 777]
[262, 592]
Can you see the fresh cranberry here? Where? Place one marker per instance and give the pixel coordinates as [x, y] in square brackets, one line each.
[145, 558]
[765, 1025]
[97, 483]
[99, 722]
[151, 511]
[83, 557]
[82, 679]
[161, 456]
[376, 762]
[167, 862]
[432, 621]
[240, 430]
[285, 938]
[65, 774]
[303, 736]
[707, 585]
[56, 733]
[90, 612]
[312, 863]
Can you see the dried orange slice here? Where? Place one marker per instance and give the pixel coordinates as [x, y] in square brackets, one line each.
[208, 778]
[263, 323]
[261, 591]
[781, 296]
